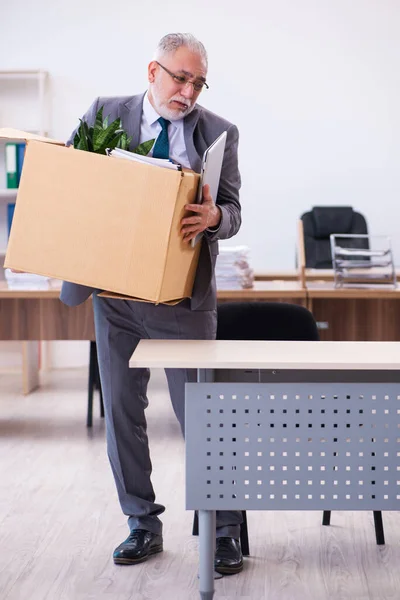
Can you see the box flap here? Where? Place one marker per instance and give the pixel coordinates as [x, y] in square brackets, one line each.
[9, 133]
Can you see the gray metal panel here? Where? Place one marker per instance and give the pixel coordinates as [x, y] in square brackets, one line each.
[304, 446]
[302, 375]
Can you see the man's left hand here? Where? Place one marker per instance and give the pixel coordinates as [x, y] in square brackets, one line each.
[208, 215]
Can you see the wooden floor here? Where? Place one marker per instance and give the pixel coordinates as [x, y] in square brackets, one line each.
[60, 519]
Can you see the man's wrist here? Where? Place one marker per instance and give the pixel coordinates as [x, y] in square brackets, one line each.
[216, 222]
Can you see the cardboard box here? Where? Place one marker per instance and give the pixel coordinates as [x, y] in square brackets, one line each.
[101, 221]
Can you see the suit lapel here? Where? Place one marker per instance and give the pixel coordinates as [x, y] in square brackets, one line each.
[131, 117]
[189, 125]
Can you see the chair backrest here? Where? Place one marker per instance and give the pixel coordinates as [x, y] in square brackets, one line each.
[318, 225]
[265, 321]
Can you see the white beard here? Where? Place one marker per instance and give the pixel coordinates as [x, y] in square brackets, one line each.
[164, 110]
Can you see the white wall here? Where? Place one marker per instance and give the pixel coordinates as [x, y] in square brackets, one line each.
[313, 85]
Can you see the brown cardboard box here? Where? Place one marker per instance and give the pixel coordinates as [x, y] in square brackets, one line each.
[101, 221]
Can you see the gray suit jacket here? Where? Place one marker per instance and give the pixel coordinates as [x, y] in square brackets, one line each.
[201, 128]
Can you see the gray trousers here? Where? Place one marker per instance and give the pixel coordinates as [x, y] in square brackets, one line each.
[120, 324]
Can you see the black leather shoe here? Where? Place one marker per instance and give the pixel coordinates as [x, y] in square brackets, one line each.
[138, 547]
[228, 556]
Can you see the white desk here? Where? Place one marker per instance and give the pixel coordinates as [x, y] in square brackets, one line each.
[231, 354]
[337, 441]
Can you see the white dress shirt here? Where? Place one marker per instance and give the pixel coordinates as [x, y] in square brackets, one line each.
[150, 128]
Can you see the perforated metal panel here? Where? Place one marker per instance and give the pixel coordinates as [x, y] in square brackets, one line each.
[305, 446]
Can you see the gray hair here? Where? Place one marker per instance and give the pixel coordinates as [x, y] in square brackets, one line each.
[172, 41]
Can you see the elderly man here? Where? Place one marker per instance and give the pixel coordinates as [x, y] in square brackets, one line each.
[167, 112]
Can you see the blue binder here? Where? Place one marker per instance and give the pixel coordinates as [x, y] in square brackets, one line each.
[10, 214]
[20, 159]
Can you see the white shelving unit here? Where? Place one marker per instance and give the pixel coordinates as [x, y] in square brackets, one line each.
[39, 79]
[6, 195]
[24, 105]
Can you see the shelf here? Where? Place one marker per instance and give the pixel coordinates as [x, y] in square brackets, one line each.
[30, 74]
[4, 140]
[8, 193]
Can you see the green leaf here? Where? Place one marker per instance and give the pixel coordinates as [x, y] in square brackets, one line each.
[82, 145]
[102, 140]
[77, 138]
[124, 141]
[100, 127]
[88, 136]
[80, 140]
[144, 148]
[99, 118]
[102, 135]
[114, 141]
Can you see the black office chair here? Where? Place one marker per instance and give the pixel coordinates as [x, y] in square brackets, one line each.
[320, 223]
[271, 321]
[93, 383]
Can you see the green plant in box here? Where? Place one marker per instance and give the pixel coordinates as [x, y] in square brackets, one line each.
[105, 135]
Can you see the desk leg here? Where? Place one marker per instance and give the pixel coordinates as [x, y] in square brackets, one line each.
[207, 521]
[207, 526]
[30, 366]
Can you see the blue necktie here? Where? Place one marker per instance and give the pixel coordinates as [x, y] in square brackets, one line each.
[161, 147]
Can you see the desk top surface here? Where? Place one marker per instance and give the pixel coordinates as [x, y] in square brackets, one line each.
[221, 354]
[293, 274]
[261, 289]
[51, 290]
[326, 289]
[266, 289]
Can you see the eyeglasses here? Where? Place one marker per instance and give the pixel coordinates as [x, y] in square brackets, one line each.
[198, 85]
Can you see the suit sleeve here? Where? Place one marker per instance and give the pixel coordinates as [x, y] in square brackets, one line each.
[89, 117]
[228, 191]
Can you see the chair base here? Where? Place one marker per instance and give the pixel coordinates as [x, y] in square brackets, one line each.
[94, 382]
[378, 522]
[326, 520]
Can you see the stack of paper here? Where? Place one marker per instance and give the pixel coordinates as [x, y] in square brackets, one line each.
[25, 281]
[232, 269]
[166, 163]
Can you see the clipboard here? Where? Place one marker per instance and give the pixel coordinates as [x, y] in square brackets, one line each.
[211, 172]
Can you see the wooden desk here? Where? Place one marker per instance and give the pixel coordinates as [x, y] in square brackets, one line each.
[32, 315]
[293, 275]
[28, 315]
[355, 314]
[274, 291]
[351, 314]
[39, 315]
